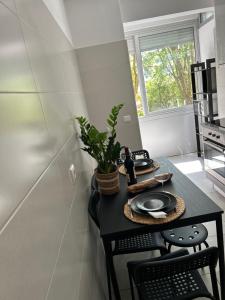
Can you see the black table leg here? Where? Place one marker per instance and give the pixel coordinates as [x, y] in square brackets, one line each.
[111, 271]
[108, 279]
[219, 232]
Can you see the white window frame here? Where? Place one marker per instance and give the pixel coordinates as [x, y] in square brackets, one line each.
[135, 35]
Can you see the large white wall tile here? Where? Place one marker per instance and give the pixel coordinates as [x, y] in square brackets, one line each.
[66, 280]
[54, 69]
[15, 72]
[30, 243]
[93, 270]
[46, 63]
[43, 243]
[36, 15]
[24, 151]
[58, 117]
[9, 3]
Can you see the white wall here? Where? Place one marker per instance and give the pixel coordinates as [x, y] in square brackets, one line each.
[94, 22]
[169, 135]
[105, 73]
[220, 57]
[132, 10]
[97, 32]
[46, 250]
[207, 40]
[57, 9]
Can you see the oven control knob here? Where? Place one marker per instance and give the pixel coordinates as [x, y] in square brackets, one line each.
[213, 135]
[210, 133]
[218, 136]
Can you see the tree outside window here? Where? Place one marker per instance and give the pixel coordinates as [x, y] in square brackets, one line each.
[167, 78]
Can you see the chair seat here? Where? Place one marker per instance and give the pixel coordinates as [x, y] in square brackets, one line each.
[188, 285]
[139, 243]
[187, 236]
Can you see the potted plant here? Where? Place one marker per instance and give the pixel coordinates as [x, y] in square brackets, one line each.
[104, 148]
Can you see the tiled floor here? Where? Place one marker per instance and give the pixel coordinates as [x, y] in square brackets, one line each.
[192, 166]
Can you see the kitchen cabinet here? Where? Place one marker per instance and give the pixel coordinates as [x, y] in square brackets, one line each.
[220, 30]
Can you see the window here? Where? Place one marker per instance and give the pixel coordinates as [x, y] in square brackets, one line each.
[135, 77]
[163, 75]
[136, 85]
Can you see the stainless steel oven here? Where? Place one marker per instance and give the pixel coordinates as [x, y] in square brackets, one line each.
[214, 159]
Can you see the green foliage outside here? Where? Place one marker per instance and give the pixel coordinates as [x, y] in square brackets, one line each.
[167, 77]
[102, 146]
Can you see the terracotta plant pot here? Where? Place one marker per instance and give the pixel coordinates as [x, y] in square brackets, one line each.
[108, 183]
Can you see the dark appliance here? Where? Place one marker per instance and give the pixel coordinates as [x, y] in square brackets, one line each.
[203, 77]
[214, 151]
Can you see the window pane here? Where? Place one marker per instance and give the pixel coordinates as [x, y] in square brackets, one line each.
[136, 86]
[166, 60]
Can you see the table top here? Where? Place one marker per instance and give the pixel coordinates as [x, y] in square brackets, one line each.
[199, 207]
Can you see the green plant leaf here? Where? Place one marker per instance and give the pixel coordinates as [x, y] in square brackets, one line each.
[101, 145]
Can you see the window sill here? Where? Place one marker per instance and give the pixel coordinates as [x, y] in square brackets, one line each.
[167, 113]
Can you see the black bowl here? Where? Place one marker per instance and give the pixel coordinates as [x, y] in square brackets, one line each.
[143, 163]
[168, 199]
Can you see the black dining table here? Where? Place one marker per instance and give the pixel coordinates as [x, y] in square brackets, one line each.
[199, 208]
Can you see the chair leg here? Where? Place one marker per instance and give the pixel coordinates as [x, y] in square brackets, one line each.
[169, 247]
[199, 247]
[194, 248]
[163, 251]
[214, 283]
[131, 285]
[206, 244]
[108, 281]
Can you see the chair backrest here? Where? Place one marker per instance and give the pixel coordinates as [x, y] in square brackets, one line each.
[142, 152]
[93, 206]
[148, 271]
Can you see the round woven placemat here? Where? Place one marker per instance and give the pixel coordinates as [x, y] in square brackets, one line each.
[141, 172]
[148, 220]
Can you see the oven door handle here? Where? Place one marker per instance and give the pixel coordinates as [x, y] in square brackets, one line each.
[220, 149]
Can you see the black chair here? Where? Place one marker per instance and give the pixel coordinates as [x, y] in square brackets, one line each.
[131, 244]
[174, 276]
[143, 153]
[140, 153]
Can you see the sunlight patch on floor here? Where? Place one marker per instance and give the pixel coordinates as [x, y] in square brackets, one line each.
[190, 167]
